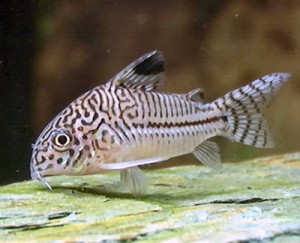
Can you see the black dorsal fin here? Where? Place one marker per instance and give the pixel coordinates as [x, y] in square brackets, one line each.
[146, 73]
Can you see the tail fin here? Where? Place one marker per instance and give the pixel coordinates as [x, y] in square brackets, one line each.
[242, 110]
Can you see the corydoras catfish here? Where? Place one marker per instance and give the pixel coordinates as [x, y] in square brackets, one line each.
[126, 123]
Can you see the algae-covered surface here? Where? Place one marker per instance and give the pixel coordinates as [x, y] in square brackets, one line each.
[249, 201]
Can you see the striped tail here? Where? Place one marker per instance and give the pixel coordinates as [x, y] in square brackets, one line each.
[242, 110]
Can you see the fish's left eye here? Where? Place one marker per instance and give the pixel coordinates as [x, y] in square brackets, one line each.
[61, 139]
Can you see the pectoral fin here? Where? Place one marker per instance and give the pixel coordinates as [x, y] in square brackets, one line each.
[209, 154]
[135, 180]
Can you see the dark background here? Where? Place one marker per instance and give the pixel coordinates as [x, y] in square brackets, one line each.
[52, 51]
[18, 42]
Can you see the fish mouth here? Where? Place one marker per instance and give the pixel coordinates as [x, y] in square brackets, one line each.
[36, 175]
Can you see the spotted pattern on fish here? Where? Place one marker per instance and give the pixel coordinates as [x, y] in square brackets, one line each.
[126, 123]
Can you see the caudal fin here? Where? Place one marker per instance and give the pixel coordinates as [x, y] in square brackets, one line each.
[242, 110]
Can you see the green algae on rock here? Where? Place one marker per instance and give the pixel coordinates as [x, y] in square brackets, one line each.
[251, 200]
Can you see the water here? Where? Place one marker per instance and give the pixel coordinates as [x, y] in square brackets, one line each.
[53, 51]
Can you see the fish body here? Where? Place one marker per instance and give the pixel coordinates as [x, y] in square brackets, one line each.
[126, 123]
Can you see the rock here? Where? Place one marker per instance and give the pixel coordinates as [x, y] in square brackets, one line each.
[249, 201]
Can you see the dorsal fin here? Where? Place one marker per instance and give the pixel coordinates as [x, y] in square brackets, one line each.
[146, 73]
[196, 95]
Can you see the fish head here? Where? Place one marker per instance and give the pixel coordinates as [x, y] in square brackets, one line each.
[58, 151]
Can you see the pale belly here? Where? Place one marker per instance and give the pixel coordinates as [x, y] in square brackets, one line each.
[152, 148]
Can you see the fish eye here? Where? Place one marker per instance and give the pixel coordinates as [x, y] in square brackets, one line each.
[61, 140]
